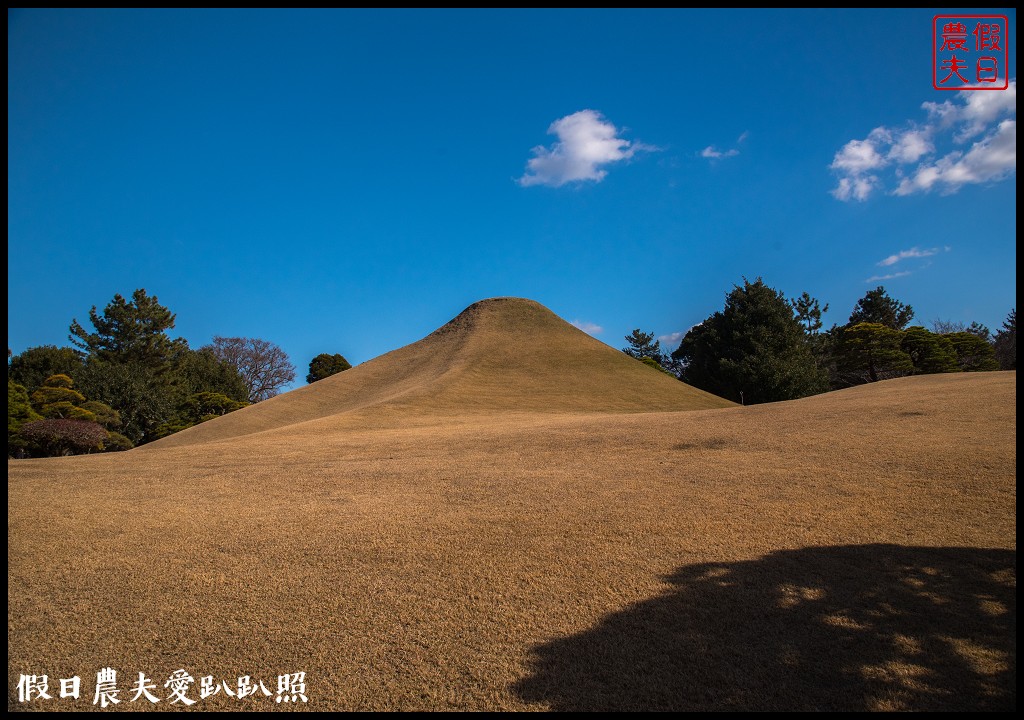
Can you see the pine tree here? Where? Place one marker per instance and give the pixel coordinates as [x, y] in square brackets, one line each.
[808, 312]
[643, 345]
[754, 350]
[929, 352]
[868, 352]
[877, 307]
[1006, 343]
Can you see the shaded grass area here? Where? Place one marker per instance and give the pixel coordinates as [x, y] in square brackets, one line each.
[864, 627]
[715, 443]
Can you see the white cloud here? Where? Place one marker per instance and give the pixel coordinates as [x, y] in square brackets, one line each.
[859, 156]
[992, 158]
[890, 276]
[858, 163]
[914, 252]
[977, 112]
[588, 327]
[910, 146]
[710, 152]
[586, 143]
[858, 187]
[672, 340]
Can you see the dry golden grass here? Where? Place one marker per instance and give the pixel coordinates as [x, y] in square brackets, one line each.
[503, 354]
[411, 545]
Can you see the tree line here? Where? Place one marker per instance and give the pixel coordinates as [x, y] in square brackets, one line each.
[763, 347]
[124, 381]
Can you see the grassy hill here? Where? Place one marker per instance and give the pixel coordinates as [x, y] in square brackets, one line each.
[503, 354]
[449, 527]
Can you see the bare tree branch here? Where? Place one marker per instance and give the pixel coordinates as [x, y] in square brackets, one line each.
[264, 366]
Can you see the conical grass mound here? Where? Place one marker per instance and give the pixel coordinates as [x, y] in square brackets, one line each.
[500, 355]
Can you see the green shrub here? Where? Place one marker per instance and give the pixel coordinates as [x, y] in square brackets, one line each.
[106, 416]
[66, 411]
[59, 381]
[116, 442]
[52, 395]
[19, 412]
[651, 362]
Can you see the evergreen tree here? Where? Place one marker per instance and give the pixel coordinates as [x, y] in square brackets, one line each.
[125, 332]
[808, 312]
[973, 353]
[877, 307]
[643, 345]
[129, 361]
[929, 352]
[143, 399]
[31, 367]
[754, 350]
[198, 371]
[324, 365]
[976, 328]
[868, 352]
[1006, 343]
[199, 408]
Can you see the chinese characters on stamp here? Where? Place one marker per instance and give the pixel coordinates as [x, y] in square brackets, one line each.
[970, 52]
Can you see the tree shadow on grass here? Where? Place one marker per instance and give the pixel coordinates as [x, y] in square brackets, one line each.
[869, 627]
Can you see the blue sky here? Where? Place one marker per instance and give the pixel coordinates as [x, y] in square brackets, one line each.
[347, 181]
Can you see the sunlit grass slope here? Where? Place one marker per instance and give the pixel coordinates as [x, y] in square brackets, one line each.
[503, 354]
[854, 550]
